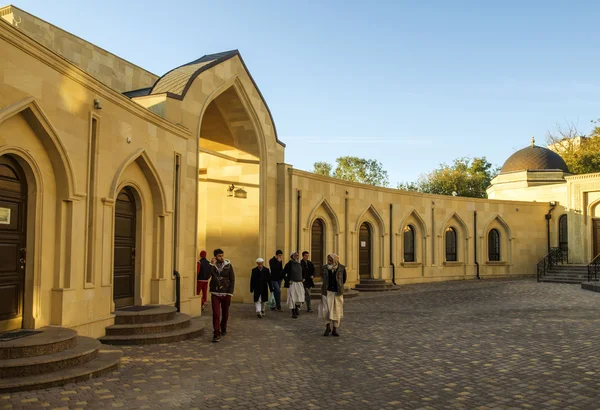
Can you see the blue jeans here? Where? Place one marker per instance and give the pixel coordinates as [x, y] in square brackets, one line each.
[277, 292]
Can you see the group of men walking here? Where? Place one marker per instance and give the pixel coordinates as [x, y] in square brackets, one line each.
[297, 276]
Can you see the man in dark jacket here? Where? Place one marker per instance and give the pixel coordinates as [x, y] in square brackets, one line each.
[276, 266]
[260, 284]
[293, 275]
[308, 274]
[203, 275]
[222, 284]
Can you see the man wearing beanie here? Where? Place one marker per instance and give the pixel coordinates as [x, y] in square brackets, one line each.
[203, 275]
[260, 284]
[293, 275]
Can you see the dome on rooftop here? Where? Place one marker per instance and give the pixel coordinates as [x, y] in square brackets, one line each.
[534, 158]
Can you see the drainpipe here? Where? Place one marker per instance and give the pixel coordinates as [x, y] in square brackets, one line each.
[298, 222]
[475, 243]
[392, 244]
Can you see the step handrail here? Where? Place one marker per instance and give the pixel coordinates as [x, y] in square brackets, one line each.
[594, 267]
[553, 258]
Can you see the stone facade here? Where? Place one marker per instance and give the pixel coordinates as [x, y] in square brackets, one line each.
[185, 150]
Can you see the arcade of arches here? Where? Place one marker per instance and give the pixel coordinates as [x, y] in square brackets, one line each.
[100, 206]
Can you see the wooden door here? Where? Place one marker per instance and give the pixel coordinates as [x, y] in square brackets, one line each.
[563, 233]
[124, 266]
[317, 246]
[364, 252]
[13, 221]
[596, 236]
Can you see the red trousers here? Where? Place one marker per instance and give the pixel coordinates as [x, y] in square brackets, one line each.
[220, 303]
[202, 286]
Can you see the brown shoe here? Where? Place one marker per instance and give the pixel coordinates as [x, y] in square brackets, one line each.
[327, 330]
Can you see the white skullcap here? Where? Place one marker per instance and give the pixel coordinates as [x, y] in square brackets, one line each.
[260, 260]
[293, 253]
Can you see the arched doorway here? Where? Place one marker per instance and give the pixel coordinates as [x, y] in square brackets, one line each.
[124, 259]
[364, 251]
[317, 245]
[13, 228]
[563, 233]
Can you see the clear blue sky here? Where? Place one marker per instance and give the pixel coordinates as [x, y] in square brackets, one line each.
[409, 83]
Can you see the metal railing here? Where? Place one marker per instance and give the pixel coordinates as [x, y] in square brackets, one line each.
[177, 290]
[555, 257]
[594, 268]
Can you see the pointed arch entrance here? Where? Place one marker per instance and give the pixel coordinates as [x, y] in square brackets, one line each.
[124, 252]
[365, 242]
[13, 240]
[317, 244]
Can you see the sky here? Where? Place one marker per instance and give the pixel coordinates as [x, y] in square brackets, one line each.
[411, 84]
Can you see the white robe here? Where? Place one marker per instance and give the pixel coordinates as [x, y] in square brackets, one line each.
[295, 294]
[332, 308]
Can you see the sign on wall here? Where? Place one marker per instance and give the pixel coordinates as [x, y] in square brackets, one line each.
[4, 216]
[363, 244]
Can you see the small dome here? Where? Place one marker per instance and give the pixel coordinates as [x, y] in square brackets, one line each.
[534, 158]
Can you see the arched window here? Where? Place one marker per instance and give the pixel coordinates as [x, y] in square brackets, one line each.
[451, 254]
[494, 245]
[563, 233]
[409, 244]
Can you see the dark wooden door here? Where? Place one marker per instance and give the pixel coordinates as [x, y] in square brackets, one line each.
[124, 267]
[563, 233]
[13, 221]
[364, 252]
[596, 233]
[317, 245]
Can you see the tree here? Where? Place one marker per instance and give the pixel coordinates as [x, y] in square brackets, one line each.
[354, 169]
[467, 177]
[581, 153]
[322, 168]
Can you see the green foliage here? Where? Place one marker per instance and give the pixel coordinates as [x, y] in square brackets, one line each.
[581, 153]
[467, 177]
[322, 168]
[354, 169]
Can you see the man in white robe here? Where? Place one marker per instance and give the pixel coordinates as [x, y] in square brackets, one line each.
[293, 276]
[332, 294]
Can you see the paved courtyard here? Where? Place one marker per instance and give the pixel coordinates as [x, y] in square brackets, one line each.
[486, 344]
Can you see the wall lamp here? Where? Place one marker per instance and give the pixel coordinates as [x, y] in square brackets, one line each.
[236, 192]
[97, 105]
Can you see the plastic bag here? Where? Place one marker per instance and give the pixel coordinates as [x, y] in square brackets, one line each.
[271, 302]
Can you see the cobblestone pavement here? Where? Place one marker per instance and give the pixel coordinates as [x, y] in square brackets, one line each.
[487, 344]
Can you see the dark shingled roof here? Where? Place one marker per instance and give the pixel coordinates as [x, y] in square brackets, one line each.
[138, 93]
[176, 82]
[534, 158]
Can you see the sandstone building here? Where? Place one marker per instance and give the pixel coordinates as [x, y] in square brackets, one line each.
[112, 178]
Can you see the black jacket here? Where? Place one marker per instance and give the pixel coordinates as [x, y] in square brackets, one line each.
[203, 268]
[276, 269]
[308, 270]
[260, 284]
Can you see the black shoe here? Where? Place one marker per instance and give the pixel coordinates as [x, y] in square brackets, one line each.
[279, 309]
[298, 312]
[223, 332]
[216, 339]
[327, 330]
[272, 308]
[309, 311]
[335, 333]
[258, 315]
[294, 314]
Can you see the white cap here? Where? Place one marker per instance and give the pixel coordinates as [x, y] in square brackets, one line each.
[260, 260]
[293, 253]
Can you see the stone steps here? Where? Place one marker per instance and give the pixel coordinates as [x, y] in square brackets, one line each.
[375, 285]
[572, 274]
[179, 321]
[157, 324]
[53, 357]
[106, 362]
